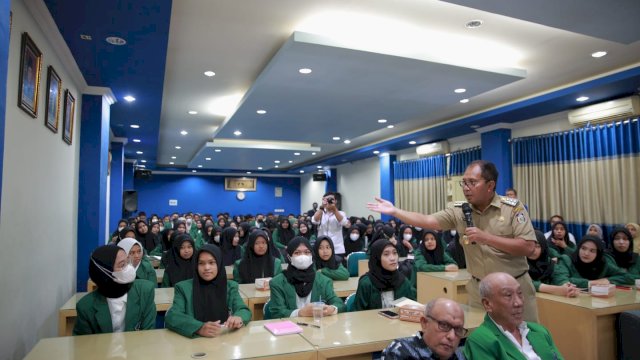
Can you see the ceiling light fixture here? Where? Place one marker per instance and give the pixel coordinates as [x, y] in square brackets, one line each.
[248, 172]
[301, 171]
[193, 171]
[599, 54]
[376, 152]
[464, 101]
[139, 152]
[217, 150]
[459, 91]
[142, 166]
[277, 166]
[261, 112]
[412, 142]
[305, 71]
[193, 112]
[143, 161]
[313, 153]
[134, 126]
[171, 163]
[347, 141]
[130, 98]
[336, 138]
[199, 166]
[237, 133]
[276, 161]
[178, 147]
[259, 167]
[582, 98]
[382, 121]
[115, 40]
[296, 154]
[208, 159]
[319, 166]
[290, 161]
[173, 157]
[184, 132]
[390, 126]
[209, 73]
[473, 24]
[136, 140]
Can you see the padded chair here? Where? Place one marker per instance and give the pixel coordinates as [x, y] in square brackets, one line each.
[348, 302]
[628, 330]
[352, 261]
[266, 313]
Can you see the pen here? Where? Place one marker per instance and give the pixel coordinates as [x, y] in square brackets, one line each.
[305, 324]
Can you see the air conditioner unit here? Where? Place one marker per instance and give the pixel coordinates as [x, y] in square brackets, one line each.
[440, 147]
[606, 111]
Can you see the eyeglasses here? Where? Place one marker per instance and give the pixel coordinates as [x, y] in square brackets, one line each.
[446, 327]
[469, 183]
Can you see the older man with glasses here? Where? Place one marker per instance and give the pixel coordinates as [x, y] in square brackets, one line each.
[497, 232]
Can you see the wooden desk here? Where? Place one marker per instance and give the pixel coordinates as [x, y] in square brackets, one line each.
[91, 286]
[356, 335]
[346, 287]
[446, 284]
[585, 317]
[253, 341]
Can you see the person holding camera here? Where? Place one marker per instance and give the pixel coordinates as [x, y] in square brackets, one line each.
[329, 221]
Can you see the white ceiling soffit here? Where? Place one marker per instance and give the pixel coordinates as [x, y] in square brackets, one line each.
[364, 87]
[610, 20]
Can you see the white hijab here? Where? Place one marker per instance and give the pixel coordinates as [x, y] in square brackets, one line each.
[126, 244]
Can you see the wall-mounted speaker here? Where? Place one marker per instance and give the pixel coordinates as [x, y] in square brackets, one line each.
[320, 177]
[130, 200]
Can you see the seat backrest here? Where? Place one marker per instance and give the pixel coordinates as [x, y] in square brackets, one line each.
[348, 302]
[352, 262]
[266, 313]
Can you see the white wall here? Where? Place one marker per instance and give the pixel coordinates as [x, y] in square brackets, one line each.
[39, 206]
[310, 192]
[359, 182]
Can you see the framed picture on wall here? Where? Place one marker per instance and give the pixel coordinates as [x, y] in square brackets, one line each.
[29, 83]
[54, 94]
[67, 121]
[240, 184]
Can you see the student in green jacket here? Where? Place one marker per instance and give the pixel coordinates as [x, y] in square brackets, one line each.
[503, 301]
[180, 260]
[120, 303]
[588, 266]
[144, 269]
[209, 303]
[284, 232]
[257, 261]
[383, 283]
[621, 252]
[294, 291]
[542, 271]
[230, 246]
[325, 260]
[559, 243]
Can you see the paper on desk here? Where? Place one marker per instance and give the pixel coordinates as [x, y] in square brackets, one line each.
[403, 301]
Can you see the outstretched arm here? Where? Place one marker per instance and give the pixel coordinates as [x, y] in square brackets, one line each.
[413, 218]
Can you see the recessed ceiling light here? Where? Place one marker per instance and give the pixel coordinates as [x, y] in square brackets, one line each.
[599, 54]
[582, 98]
[384, 154]
[305, 71]
[313, 153]
[209, 73]
[301, 171]
[237, 133]
[382, 121]
[475, 126]
[412, 142]
[139, 152]
[142, 166]
[129, 98]
[115, 40]
[178, 147]
[347, 141]
[193, 171]
[193, 112]
[143, 161]
[173, 157]
[390, 126]
[249, 172]
[376, 152]
[473, 24]
[276, 161]
[208, 159]
[184, 132]
[217, 150]
[261, 112]
[259, 167]
[459, 91]
[296, 154]
[277, 166]
[464, 101]
[319, 166]
[290, 161]
[134, 126]
[199, 166]
[336, 138]
[171, 163]
[136, 140]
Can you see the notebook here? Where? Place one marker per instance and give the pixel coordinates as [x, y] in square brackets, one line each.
[283, 328]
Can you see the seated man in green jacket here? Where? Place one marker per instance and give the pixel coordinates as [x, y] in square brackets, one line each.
[504, 334]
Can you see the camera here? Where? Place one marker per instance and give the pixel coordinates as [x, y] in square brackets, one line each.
[331, 201]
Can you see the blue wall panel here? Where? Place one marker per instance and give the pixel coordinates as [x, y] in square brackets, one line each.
[206, 194]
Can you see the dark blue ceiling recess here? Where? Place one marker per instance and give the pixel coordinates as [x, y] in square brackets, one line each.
[135, 69]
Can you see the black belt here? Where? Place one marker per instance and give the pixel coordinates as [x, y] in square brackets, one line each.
[517, 277]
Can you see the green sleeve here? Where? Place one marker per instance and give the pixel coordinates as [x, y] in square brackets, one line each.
[406, 290]
[421, 264]
[157, 251]
[365, 295]
[448, 260]
[277, 267]
[236, 272]
[634, 270]
[235, 303]
[536, 284]
[566, 272]
[481, 345]
[179, 318]
[84, 315]
[283, 298]
[276, 237]
[147, 303]
[165, 280]
[616, 275]
[340, 274]
[553, 253]
[198, 241]
[326, 293]
[146, 272]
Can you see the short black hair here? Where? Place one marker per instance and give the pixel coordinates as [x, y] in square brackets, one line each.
[511, 189]
[488, 169]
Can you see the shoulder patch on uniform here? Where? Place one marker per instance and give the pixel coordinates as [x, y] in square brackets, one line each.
[520, 218]
[508, 201]
[458, 203]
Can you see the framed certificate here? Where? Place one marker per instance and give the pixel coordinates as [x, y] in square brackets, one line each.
[240, 184]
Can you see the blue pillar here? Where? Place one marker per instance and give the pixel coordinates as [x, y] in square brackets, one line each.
[115, 192]
[332, 180]
[387, 189]
[127, 176]
[92, 185]
[5, 6]
[497, 149]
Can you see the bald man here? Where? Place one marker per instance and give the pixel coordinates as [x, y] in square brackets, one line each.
[504, 334]
[442, 328]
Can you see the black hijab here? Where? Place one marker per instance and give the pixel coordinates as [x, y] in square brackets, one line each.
[179, 269]
[302, 280]
[245, 228]
[123, 233]
[384, 232]
[105, 257]
[592, 270]
[381, 278]
[210, 297]
[230, 253]
[147, 240]
[456, 251]
[254, 266]
[287, 234]
[321, 264]
[273, 250]
[166, 239]
[350, 245]
[308, 233]
[205, 234]
[541, 269]
[435, 256]
[625, 259]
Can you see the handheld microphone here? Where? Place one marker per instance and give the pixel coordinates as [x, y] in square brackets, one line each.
[466, 210]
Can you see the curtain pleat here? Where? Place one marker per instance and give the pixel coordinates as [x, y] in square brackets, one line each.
[420, 185]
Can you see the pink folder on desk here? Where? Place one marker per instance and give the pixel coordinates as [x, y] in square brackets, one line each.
[283, 328]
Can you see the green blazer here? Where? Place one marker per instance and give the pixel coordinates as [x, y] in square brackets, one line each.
[94, 316]
[339, 274]
[488, 342]
[277, 269]
[146, 272]
[180, 317]
[421, 264]
[567, 272]
[283, 295]
[633, 270]
[276, 238]
[570, 249]
[369, 297]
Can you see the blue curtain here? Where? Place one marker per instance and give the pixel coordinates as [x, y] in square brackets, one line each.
[433, 166]
[459, 160]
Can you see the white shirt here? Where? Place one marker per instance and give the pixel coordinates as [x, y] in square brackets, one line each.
[571, 238]
[386, 297]
[526, 349]
[118, 310]
[330, 227]
[302, 301]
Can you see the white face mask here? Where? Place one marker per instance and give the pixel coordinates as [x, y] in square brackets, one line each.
[120, 228]
[453, 232]
[302, 262]
[126, 275]
[216, 238]
[418, 228]
[188, 221]
[354, 237]
[407, 236]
